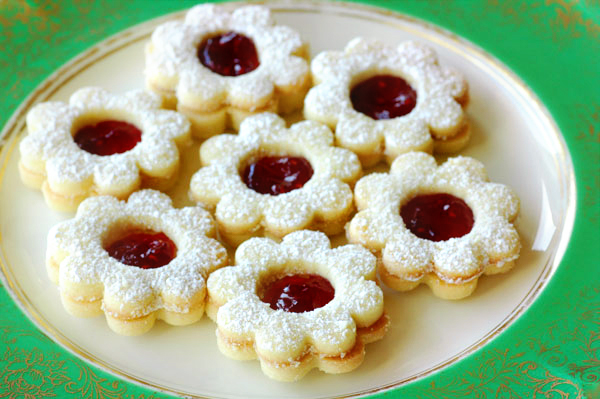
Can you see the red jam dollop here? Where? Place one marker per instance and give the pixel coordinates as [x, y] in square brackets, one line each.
[383, 97]
[277, 175]
[228, 54]
[437, 217]
[147, 250]
[108, 137]
[299, 293]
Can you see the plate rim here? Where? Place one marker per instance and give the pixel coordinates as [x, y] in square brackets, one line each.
[12, 131]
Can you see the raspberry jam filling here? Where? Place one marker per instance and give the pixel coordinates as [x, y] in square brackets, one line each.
[299, 293]
[147, 250]
[383, 97]
[277, 175]
[437, 217]
[228, 54]
[108, 137]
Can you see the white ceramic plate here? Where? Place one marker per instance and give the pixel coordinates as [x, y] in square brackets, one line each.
[512, 134]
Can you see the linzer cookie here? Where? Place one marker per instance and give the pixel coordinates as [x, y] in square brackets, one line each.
[297, 305]
[443, 226]
[101, 143]
[272, 180]
[384, 100]
[218, 67]
[136, 261]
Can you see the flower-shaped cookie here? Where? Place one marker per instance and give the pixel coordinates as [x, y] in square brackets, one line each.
[290, 342]
[433, 94]
[443, 226]
[101, 143]
[220, 66]
[137, 261]
[320, 197]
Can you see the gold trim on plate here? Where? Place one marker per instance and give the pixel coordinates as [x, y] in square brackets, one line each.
[12, 131]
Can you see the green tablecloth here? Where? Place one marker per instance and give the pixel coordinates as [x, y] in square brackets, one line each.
[553, 45]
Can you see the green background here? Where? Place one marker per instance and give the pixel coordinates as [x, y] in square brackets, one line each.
[553, 45]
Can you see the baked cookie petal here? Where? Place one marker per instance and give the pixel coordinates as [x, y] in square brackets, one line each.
[199, 90]
[371, 229]
[215, 101]
[436, 114]
[407, 256]
[68, 172]
[117, 178]
[480, 238]
[325, 102]
[210, 184]
[92, 281]
[157, 157]
[288, 345]
[238, 215]
[322, 201]
[459, 260]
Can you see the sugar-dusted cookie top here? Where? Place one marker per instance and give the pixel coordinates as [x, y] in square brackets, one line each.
[384, 100]
[221, 60]
[297, 305]
[442, 225]
[100, 143]
[276, 178]
[137, 260]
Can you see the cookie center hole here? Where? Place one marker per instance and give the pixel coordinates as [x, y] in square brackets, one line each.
[437, 217]
[145, 249]
[276, 175]
[298, 293]
[108, 137]
[228, 54]
[383, 97]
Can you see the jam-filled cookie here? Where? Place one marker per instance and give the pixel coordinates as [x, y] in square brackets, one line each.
[136, 261]
[384, 100]
[101, 144]
[297, 305]
[218, 67]
[273, 180]
[443, 226]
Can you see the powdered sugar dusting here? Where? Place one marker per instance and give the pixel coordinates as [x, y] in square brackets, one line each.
[77, 246]
[172, 64]
[284, 336]
[49, 148]
[326, 194]
[436, 113]
[379, 226]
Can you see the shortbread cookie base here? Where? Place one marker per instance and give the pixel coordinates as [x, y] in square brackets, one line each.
[452, 144]
[32, 178]
[161, 183]
[124, 324]
[141, 325]
[295, 369]
[52, 267]
[234, 237]
[449, 145]
[70, 200]
[438, 286]
[291, 98]
[169, 99]
[80, 307]
[62, 203]
[464, 97]
[371, 157]
[131, 327]
[208, 124]
[69, 203]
